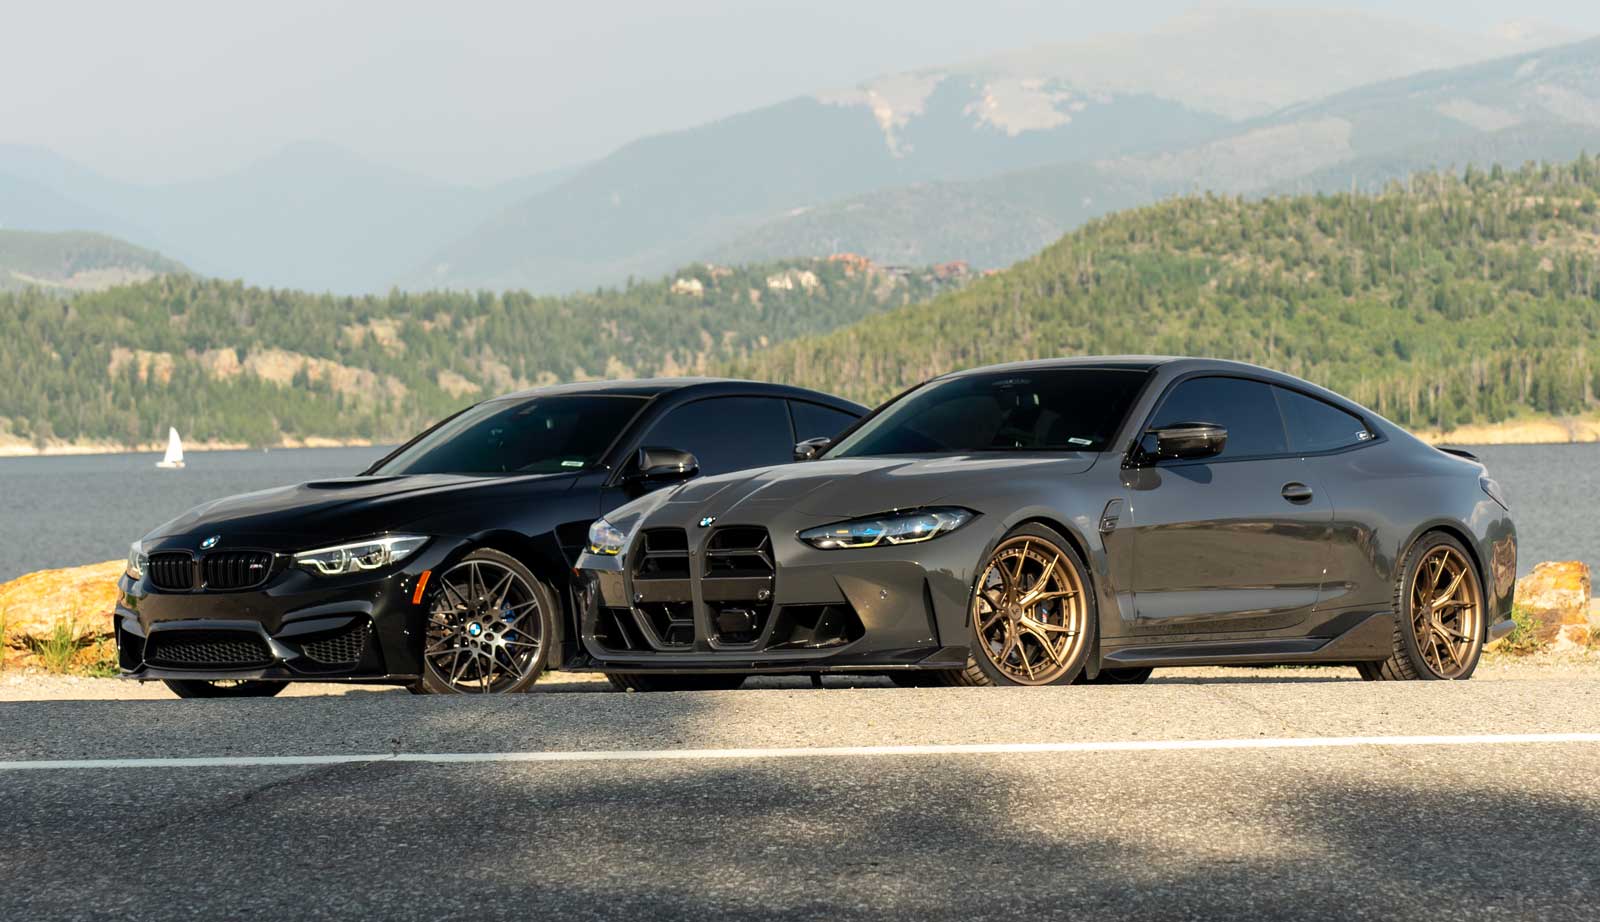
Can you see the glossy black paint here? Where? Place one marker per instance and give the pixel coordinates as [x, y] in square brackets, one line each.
[1287, 557]
[542, 520]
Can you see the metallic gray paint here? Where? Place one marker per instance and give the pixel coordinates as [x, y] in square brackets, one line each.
[1191, 561]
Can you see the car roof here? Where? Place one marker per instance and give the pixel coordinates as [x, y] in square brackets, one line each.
[653, 387]
[1175, 363]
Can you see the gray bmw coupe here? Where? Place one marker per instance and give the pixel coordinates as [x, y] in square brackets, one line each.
[1058, 521]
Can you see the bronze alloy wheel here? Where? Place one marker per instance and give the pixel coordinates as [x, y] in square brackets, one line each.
[1446, 612]
[1030, 611]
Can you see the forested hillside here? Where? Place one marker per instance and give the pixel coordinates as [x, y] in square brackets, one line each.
[1440, 301]
[226, 362]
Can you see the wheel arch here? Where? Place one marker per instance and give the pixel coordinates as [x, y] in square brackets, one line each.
[547, 566]
[1462, 535]
[1061, 525]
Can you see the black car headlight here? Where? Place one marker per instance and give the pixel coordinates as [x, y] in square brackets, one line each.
[606, 539]
[905, 526]
[137, 560]
[360, 556]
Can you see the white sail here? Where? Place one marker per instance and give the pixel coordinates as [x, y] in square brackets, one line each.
[174, 456]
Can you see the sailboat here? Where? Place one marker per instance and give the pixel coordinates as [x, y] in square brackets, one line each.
[173, 459]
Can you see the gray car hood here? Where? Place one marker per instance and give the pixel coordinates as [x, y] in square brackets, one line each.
[856, 486]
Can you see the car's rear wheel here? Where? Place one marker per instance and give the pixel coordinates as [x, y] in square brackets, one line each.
[1439, 615]
[1123, 676]
[488, 619]
[223, 688]
[1032, 613]
[649, 682]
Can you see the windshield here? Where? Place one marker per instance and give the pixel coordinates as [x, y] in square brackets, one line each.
[1063, 409]
[542, 435]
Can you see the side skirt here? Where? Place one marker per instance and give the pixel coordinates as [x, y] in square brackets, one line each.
[1368, 641]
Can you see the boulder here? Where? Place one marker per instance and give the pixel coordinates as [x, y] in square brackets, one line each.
[83, 598]
[1555, 597]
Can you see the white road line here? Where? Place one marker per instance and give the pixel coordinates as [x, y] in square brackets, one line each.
[819, 752]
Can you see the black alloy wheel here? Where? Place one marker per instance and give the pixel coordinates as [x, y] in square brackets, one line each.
[488, 620]
[223, 688]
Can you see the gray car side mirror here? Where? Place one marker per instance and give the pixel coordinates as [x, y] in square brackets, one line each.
[1184, 441]
[811, 449]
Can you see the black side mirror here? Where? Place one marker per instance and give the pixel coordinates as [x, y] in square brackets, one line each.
[664, 465]
[811, 449]
[1184, 441]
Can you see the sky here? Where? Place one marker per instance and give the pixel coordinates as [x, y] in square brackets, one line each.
[476, 93]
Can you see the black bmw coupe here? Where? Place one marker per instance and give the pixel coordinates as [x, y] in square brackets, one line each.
[447, 566]
[1059, 521]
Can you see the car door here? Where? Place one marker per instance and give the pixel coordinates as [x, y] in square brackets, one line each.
[1328, 438]
[1234, 542]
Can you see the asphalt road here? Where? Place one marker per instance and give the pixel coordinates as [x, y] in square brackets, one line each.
[921, 804]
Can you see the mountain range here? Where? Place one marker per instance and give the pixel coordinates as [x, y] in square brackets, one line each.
[75, 261]
[983, 161]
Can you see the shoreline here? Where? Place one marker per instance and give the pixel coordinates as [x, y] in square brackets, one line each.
[1546, 431]
[15, 448]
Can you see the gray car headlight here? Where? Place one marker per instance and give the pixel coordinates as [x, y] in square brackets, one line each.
[606, 539]
[359, 556]
[907, 526]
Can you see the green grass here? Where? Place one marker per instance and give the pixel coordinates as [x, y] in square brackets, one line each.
[1521, 639]
[56, 651]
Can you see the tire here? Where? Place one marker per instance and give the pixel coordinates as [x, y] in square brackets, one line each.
[999, 619]
[649, 682]
[490, 621]
[1132, 675]
[1457, 622]
[223, 688]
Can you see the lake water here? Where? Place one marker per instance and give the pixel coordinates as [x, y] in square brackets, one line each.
[64, 511]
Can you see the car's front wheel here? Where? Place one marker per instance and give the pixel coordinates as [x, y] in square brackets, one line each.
[223, 688]
[1439, 615]
[1032, 613]
[488, 621]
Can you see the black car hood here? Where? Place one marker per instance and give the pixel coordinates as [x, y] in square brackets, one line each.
[856, 486]
[327, 511]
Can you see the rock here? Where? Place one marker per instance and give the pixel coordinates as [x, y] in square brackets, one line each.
[83, 597]
[1556, 596]
[1571, 638]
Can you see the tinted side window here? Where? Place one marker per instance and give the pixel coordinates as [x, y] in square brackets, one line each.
[728, 433]
[1245, 408]
[815, 421]
[1318, 426]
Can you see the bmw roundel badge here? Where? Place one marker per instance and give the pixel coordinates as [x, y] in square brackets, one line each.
[210, 542]
[706, 522]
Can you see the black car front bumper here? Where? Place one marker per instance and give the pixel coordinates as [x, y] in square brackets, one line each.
[294, 627]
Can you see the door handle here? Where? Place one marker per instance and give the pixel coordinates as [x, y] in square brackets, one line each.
[1297, 492]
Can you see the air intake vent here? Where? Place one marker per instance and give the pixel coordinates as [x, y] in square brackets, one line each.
[206, 650]
[172, 572]
[340, 649]
[235, 570]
